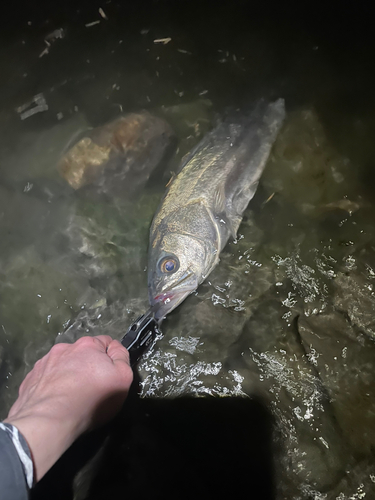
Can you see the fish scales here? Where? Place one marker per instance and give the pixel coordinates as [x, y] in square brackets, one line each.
[204, 203]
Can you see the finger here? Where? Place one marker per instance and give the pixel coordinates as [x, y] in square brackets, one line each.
[103, 341]
[117, 352]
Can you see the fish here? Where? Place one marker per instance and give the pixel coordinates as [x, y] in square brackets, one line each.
[204, 204]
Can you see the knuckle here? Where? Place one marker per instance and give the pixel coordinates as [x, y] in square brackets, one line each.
[85, 341]
[56, 349]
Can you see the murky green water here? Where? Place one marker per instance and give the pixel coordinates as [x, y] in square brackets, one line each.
[287, 316]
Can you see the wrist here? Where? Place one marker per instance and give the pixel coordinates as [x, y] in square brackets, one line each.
[47, 435]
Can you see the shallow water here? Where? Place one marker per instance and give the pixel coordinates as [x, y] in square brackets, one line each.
[287, 317]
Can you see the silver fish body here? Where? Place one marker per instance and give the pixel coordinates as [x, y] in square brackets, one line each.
[204, 204]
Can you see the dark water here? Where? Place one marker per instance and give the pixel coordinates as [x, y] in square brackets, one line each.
[265, 378]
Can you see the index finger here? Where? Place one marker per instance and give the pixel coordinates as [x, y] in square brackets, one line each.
[103, 341]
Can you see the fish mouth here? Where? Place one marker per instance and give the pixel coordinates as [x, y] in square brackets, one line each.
[164, 303]
[172, 296]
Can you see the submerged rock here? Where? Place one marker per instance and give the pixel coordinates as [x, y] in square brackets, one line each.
[345, 363]
[191, 121]
[119, 156]
[357, 483]
[27, 219]
[192, 118]
[38, 298]
[270, 357]
[355, 289]
[34, 156]
[305, 169]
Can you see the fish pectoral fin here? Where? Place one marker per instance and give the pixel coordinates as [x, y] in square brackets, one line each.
[219, 201]
[239, 203]
[234, 224]
[231, 221]
[231, 214]
[242, 197]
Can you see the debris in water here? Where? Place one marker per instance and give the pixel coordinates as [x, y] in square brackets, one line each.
[50, 39]
[343, 204]
[164, 41]
[173, 175]
[204, 92]
[44, 52]
[103, 14]
[144, 31]
[269, 198]
[56, 34]
[184, 51]
[88, 25]
[40, 106]
[119, 105]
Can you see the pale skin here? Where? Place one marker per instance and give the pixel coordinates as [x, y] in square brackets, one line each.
[72, 389]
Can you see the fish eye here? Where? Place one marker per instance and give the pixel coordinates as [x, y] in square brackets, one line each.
[169, 264]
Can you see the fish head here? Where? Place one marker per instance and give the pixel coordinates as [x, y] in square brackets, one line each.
[177, 265]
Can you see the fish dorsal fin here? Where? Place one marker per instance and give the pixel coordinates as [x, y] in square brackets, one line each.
[190, 154]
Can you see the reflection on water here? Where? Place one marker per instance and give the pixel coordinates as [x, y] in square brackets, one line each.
[287, 316]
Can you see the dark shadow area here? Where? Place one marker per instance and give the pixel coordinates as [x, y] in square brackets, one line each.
[161, 448]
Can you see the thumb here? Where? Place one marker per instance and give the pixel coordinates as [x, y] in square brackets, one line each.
[117, 352]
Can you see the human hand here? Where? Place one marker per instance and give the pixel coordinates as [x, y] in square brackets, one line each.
[73, 388]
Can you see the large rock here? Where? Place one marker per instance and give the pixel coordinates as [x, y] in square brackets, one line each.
[119, 156]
